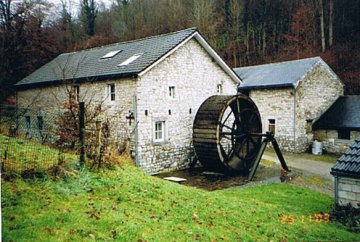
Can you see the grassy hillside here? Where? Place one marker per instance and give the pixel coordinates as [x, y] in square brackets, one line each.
[125, 204]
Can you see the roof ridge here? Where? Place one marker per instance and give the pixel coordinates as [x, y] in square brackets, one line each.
[282, 62]
[131, 41]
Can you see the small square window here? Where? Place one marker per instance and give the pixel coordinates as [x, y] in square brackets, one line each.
[308, 126]
[172, 91]
[271, 126]
[27, 122]
[219, 89]
[159, 131]
[40, 122]
[111, 92]
[344, 134]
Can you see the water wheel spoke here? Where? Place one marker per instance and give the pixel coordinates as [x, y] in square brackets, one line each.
[224, 125]
[227, 117]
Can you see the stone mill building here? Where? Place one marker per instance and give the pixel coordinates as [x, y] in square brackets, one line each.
[291, 96]
[149, 89]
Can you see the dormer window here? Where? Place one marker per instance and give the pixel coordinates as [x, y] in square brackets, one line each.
[111, 54]
[130, 60]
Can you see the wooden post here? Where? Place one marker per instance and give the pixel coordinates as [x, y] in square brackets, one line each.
[81, 132]
[98, 143]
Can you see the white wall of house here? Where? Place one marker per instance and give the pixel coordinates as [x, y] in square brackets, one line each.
[194, 76]
[277, 104]
[49, 103]
[315, 94]
[292, 109]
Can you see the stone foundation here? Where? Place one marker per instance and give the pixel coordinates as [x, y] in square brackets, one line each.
[348, 191]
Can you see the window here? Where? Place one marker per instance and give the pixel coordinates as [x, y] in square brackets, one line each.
[111, 92]
[344, 134]
[111, 54]
[219, 89]
[40, 122]
[271, 126]
[76, 92]
[172, 91]
[27, 122]
[308, 126]
[159, 131]
[131, 59]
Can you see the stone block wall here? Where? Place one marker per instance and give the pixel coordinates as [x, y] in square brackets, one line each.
[277, 104]
[331, 143]
[319, 89]
[293, 108]
[48, 102]
[195, 77]
[348, 191]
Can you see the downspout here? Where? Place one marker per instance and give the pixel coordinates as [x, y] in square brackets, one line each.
[137, 162]
[336, 183]
[294, 121]
[136, 130]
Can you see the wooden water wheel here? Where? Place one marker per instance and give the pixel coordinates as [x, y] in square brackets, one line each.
[226, 133]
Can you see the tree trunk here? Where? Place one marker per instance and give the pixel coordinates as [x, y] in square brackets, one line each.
[322, 26]
[331, 20]
[264, 42]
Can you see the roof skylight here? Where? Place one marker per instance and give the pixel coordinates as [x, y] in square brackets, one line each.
[131, 59]
[111, 54]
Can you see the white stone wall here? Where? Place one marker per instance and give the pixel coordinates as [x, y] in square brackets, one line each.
[319, 90]
[49, 103]
[277, 104]
[348, 191]
[331, 142]
[195, 77]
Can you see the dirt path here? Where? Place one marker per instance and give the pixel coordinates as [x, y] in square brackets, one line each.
[315, 167]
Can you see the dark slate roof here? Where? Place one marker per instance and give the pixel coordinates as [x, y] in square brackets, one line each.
[349, 163]
[276, 75]
[344, 113]
[88, 65]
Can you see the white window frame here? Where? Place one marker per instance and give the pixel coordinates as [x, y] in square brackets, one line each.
[172, 91]
[272, 122]
[27, 122]
[130, 59]
[111, 54]
[159, 130]
[219, 89]
[111, 93]
[40, 123]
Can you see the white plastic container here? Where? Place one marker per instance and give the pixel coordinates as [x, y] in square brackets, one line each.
[317, 148]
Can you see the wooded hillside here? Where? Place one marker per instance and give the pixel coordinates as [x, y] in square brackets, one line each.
[243, 32]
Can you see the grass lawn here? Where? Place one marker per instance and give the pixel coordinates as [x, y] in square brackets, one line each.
[125, 204]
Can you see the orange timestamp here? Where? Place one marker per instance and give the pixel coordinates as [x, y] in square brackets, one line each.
[309, 218]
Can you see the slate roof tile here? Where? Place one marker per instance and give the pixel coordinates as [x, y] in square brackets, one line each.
[344, 113]
[88, 64]
[276, 75]
[349, 163]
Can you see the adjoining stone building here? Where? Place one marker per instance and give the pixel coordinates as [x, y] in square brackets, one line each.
[157, 83]
[346, 172]
[339, 126]
[291, 96]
